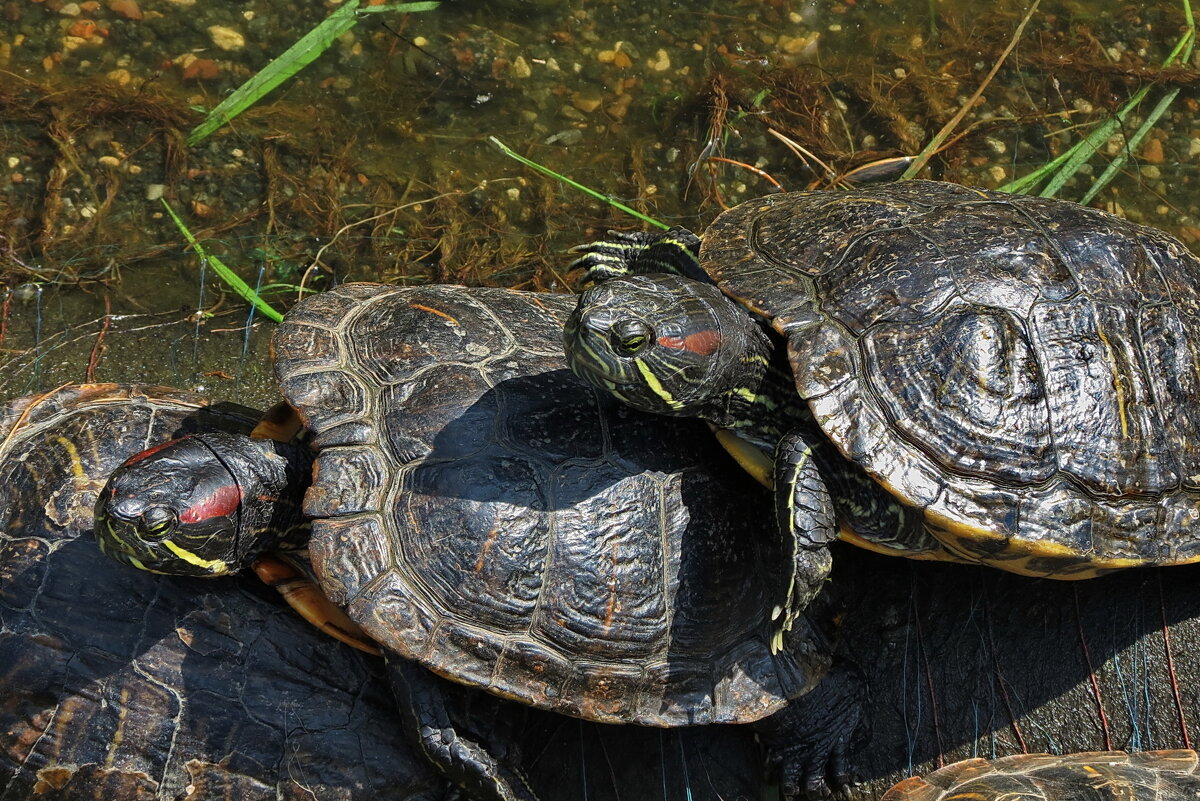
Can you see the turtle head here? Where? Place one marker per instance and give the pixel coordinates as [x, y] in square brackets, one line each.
[203, 505]
[668, 345]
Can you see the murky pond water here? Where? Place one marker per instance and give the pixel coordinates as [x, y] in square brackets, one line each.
[374, 163]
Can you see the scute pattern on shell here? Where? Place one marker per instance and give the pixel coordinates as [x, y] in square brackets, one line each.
[1026, 370]
[1145, 776]
[120, 684]
[478, 509]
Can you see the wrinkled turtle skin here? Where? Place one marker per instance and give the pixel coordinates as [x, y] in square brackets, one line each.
[1115, 775]
[121, 685]
[1024, 372]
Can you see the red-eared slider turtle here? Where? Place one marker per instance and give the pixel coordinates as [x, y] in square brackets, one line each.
[480, 511]
[1021, 374]
[116, 684]
[1142, 776]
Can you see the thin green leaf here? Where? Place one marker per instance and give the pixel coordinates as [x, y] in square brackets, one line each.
[1117, 163]
[294, 59]
[506, 150]
[1069, 162]
[232, 279]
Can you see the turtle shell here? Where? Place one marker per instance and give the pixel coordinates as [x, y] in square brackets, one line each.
[478, 509]
[1025, 370]
[124, 685]
[1048, 777]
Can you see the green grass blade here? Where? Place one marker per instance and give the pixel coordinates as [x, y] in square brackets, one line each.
[1117, 163]
[232, 279]
[1067, 163]
[506, 150]
[291, 61]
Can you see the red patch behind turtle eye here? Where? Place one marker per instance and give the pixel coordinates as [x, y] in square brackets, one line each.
[704, 343]
[137, 457]
[222, 503]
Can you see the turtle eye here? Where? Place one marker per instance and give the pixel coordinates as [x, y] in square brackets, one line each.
[630, 337]
[157, 523]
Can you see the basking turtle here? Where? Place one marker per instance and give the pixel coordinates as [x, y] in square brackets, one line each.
[1022, 375]
[478, 510]
[1143, 776]
[189, 672]
[117, 684]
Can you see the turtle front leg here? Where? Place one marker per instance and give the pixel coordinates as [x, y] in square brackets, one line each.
[483, 771]
[806, 520]
[641, 252]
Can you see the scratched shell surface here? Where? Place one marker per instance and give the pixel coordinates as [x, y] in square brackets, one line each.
[1026, 370]
[118, 684]
[480, 510]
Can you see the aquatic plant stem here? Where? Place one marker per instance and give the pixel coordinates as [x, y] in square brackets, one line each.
[936, 142]
[232, 279]
[506, 150]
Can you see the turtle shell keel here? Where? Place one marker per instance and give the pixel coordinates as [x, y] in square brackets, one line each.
[478, 509]
[1025, 370]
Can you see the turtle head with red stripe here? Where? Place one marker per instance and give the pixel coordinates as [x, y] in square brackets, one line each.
[203, 505]
[669, 345]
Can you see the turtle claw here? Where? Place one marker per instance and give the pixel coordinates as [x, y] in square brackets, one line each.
[809, 743]
[638, 252]
[817, 778]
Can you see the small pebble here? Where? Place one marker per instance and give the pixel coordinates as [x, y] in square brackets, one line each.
[109, 161]
[202, 69]
[520, 68]
[226, 38]
[1152, 151]
[83, 28]
[71, 10]
[566, 137]
[661, 61]
[129, 9]
[13, 162]
[155, 191]
[586, 103]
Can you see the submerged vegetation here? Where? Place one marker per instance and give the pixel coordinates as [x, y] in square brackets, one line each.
[376, 160]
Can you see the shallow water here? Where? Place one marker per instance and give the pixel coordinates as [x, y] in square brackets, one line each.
[374, 163]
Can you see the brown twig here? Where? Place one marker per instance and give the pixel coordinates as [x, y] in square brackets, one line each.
[1183, 729]
[936, 142]
[761, 173]
[97, 347]
[1092, 674]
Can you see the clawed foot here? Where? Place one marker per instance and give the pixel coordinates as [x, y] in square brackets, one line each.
[810, 742]
[639, 252]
